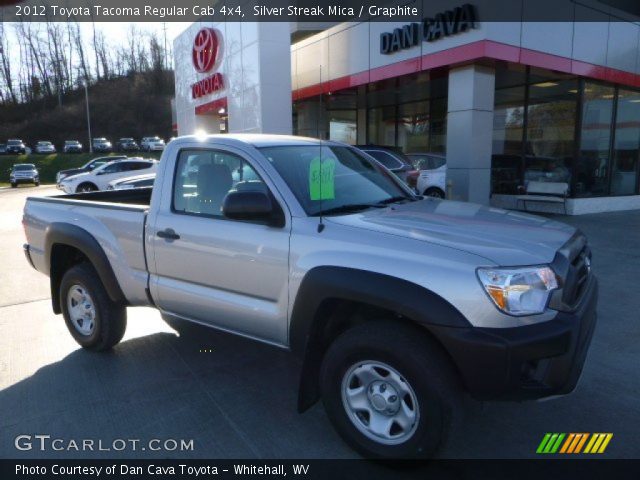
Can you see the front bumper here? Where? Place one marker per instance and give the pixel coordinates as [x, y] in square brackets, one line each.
[25, 180]
[528, 362]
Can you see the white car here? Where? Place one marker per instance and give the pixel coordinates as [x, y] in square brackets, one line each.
[45, 147]
[129, 183]
[151, 144]
[99, 178]
[432, 180]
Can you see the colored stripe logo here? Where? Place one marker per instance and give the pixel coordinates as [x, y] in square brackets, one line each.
[573, 443]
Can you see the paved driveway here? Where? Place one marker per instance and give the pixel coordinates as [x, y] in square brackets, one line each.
[236, 398]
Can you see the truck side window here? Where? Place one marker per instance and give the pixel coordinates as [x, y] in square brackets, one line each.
[204, 177]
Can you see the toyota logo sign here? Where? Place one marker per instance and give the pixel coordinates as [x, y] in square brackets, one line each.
[207, 49]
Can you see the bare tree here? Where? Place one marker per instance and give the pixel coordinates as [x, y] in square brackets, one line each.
[76, 38]
[5, 66]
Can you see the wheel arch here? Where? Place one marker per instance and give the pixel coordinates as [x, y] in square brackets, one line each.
[432, 188]
[332, 299]
[86, 182]
[67, 245]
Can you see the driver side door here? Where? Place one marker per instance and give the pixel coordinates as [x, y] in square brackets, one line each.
[225, 273]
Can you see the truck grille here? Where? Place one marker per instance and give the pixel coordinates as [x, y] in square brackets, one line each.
[573, 265]
[582, 267]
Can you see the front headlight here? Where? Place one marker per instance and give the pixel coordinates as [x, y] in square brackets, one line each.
[519, 291]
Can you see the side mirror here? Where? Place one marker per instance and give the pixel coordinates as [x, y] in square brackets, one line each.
[248, 205]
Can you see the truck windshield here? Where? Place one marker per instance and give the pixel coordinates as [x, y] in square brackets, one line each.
[24, 167]
[334, 179]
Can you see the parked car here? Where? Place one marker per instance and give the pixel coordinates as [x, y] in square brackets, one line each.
[101, 144]
[127, 145]
[398, 305]
[24, 173]
[432, 180]
[72, 146]
[3, 148]
[128, 183]
[151, 144]
[393, 159]
[87, 167]
[44, 147]
[99, 178]
[15, 146]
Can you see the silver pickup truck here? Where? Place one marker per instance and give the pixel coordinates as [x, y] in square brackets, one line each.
[398, 306]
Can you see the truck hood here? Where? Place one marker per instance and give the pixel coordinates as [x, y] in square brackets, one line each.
[503, 237]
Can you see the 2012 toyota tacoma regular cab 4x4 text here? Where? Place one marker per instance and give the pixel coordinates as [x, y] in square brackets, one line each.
[397, 305]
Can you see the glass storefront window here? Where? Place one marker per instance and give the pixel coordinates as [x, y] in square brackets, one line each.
[508, 131]
[438, 126]
[551, 121]
[592, 165]
[413, 127]
[382, 126]
[310, 118]
[343, 126]
[626, 148]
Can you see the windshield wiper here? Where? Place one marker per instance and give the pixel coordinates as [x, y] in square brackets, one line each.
[398, 199]
[349, 208]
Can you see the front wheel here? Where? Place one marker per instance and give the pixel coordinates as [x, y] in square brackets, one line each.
[14, 185]
[94, 320]
[86, 187]
[389, 391]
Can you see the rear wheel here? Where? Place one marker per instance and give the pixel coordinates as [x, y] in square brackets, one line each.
[94, 320]
[434, 192]
[86, 187]
[389, 391]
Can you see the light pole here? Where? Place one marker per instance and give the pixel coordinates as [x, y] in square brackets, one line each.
[86, 97]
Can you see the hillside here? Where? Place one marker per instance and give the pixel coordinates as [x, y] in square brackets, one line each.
[133, 106]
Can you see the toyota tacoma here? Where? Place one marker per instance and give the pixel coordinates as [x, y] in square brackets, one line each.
[397, 306]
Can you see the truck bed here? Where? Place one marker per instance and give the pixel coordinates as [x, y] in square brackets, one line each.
[137, 196]
[115, 218]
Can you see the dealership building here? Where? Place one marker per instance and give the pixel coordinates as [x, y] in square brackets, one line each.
[508, 102]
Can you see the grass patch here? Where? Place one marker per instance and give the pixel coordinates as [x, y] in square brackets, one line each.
[49, 165]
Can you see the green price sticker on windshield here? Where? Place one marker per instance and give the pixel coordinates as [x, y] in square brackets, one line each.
[321, 179]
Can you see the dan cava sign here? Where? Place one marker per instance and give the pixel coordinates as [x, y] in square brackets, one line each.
[206, 56]
[444, 24]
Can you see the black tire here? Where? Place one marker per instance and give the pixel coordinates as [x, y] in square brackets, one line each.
[434, 192]
[86, 187]
[110, 320]
[420, 362]
[14, 185]
[37, 184]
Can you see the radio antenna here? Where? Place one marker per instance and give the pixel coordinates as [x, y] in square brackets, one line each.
[321, 223]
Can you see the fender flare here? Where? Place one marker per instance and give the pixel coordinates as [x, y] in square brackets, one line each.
[59, 233]
[406, 299]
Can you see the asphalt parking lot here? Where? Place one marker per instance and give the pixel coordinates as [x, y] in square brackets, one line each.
[237, 399]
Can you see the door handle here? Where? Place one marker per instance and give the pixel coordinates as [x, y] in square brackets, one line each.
[168, 234]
